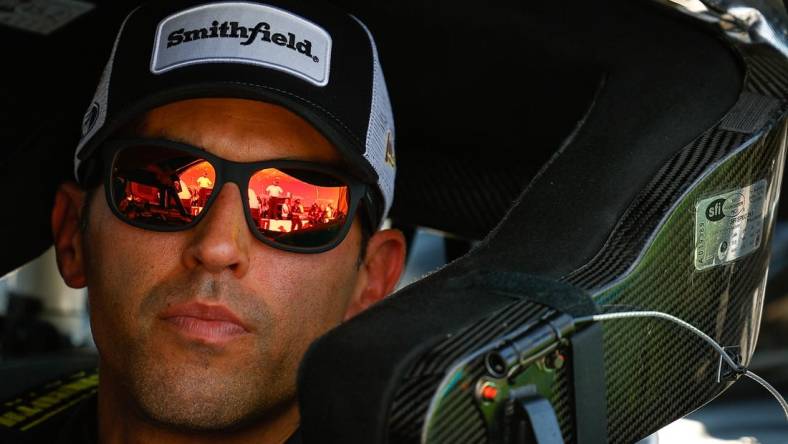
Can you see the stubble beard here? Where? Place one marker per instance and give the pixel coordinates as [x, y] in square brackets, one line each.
[194, 393]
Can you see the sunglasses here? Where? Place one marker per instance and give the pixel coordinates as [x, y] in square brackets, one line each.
[291, 205]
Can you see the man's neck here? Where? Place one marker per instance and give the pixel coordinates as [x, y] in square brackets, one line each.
[120, 423]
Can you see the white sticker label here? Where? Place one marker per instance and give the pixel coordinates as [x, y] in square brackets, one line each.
[41, 16]
[243, 33]
[730, 225]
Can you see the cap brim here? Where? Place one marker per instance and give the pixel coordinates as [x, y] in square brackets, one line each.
[346, 145]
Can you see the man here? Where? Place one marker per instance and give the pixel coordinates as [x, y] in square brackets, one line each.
[254, 204]
[274, 190]
[275, 200]
[204, 181]
[184, 193]
[199, 327]
[296, 213]
[284, 209]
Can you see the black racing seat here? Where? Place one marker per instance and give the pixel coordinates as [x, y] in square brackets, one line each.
[611, 156]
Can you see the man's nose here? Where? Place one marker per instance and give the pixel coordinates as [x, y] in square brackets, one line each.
[221, 240]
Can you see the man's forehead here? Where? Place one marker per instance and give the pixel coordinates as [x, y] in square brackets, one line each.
[238, 129]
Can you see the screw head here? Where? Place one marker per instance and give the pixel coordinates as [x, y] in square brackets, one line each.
[556, 361]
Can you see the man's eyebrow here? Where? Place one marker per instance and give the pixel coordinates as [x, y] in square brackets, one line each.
[333, 163]
[136, 127]
[339, 164]
[179, 140]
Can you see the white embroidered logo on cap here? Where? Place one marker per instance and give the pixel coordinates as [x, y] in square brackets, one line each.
[243, 33]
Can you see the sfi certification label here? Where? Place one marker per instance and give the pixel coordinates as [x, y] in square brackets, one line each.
[729, 226]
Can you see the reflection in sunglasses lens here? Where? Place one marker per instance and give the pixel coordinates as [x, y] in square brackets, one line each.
[159, 186]
[297, 207]
[168, 187]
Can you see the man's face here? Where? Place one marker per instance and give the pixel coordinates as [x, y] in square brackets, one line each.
[154, 296]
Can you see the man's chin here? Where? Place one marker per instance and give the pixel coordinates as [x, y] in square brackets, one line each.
[201, 422]
[204, 396]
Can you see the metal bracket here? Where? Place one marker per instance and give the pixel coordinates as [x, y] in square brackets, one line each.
[724, 371]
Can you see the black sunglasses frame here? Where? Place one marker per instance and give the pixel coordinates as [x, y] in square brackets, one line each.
[238, 173]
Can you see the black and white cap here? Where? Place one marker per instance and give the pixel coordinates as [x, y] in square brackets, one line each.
[318, 62]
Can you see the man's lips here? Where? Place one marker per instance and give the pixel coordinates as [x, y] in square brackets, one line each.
[208, 323]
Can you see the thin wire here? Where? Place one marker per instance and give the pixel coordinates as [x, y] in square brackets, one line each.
[771, 390]
[659, 314]
[738, 368]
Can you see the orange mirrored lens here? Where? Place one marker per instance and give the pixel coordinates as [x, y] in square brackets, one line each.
[160, 186]
[298, 208]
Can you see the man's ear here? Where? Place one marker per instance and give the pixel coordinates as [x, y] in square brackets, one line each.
[382, 267]
[66, 230]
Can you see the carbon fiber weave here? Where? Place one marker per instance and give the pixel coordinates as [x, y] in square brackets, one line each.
[462, 421]
[640, 400]
[767, 75]
[664, 373]
[650, 382]
[648, 387]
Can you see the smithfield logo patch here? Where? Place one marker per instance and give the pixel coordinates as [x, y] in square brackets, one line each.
[247, 36]
[244, 33]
